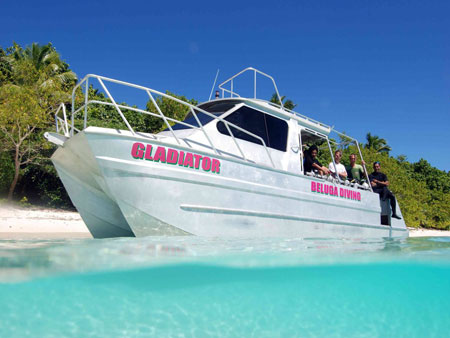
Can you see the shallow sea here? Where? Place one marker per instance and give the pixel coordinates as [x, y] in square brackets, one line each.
[197, 287]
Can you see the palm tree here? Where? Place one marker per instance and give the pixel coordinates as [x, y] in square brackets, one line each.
[46, 62]
[288, 104]
[36, 82]
[376, 143]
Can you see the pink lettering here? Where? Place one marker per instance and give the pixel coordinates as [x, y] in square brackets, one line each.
[148, 153]
[160, 154]
[206, 163]
[172, 156]
[334, 191]
[189, 160]
[215, 168]
[137, 151]
[181, 158]
[197, 160]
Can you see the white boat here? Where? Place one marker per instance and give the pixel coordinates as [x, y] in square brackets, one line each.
[232, 168]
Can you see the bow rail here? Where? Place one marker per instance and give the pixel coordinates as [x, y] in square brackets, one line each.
[69, 129]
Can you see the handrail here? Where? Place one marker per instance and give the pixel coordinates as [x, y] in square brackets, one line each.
[62, 123]
[299, 115]
[118, 107]
[280, 106]
[231, 92]
[360, 154]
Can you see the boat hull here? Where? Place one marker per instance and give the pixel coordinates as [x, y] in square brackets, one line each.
[83, 182]
[155, 197]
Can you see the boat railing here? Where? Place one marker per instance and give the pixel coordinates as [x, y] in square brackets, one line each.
[62, 124]
[355, 141]
[279, 105]
[255, 72]
[301, 116]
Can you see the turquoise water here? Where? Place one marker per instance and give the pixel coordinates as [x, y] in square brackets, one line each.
[194, 287]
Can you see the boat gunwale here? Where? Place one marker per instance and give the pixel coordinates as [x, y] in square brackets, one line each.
[236, 159]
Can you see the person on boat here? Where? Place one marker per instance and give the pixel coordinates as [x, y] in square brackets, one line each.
[311, 163]
[339, 166]
[380, 183]
[355, 171]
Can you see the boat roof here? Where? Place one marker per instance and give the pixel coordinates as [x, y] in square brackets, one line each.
[273, 109]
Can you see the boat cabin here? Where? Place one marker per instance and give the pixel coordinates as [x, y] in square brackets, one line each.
[256, 131]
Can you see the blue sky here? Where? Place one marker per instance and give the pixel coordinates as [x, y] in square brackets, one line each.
[363, 66]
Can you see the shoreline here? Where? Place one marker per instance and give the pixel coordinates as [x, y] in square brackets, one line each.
[18, 222]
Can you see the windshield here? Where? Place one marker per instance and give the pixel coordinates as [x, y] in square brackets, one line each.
[217, 108]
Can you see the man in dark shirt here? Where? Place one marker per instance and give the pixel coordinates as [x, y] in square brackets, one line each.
[379, 182]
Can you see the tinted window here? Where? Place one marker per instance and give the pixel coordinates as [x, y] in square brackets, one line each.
[216, 108]
[271, 129]
[219, 106]
[190, 119]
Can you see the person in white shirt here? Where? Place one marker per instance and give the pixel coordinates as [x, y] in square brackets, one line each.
[339, 166]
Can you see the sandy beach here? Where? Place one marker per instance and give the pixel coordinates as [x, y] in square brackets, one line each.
[31, 222]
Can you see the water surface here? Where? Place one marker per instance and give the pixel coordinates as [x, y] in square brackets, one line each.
[197, 287]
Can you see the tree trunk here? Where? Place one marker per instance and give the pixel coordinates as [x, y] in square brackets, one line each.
[16, 175]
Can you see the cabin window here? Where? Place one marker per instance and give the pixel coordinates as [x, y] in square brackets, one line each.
[190, 119]
[216, 108]
[272, 130]
[309, 138]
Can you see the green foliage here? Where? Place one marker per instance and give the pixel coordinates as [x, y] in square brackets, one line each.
[434, 178]
[288, 104]
[20, 112]
[170, 108]
[421, 190]
[41, 185]
[5, 68]
[33, 82]
[6, 171]
[24, 202]
[21, 117]
[378, 144]
[107, 116]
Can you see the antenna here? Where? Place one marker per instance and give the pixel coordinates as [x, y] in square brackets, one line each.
[214, 84]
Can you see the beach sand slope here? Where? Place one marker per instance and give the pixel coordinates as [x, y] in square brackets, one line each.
[17, 223]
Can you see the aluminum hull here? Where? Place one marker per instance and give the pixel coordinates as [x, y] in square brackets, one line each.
[119, 195]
